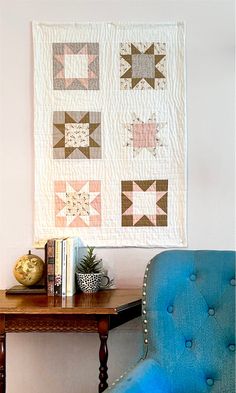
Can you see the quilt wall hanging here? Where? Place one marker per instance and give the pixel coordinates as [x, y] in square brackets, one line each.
[109, 130]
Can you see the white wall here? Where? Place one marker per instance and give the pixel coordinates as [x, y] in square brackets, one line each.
[36, 362]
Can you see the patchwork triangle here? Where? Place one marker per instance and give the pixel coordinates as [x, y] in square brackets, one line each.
[85, 119]
[126, 203]
[68, 151]
[85, 151]
[150, 50]
[144, 222]
[61, 143]
[162, 203]
[92, 127]
[144, 184]
[96, 203]
[69, 119]
[60, 127]
[92, 143]
[134, 50]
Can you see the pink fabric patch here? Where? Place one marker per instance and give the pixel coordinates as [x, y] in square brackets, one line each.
[60, 222]
[94, 186]
[77, 222]
[144, 135]
[77, 185]
[95, 221]
[96, 204]
[60, 186]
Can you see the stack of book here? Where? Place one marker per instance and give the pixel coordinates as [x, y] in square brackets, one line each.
[62, 258]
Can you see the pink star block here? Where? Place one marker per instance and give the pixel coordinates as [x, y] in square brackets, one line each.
[144, 135]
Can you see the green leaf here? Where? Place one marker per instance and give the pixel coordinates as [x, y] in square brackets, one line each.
[89, 263]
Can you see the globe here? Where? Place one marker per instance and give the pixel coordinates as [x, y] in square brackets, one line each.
[28, 269]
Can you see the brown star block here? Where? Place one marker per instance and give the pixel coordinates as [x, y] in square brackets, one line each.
[142, 66]
[144, 203]
[76, 135]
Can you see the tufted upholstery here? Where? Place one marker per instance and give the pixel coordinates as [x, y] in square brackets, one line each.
[188, 325]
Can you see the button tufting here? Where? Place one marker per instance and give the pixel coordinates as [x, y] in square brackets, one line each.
[170, 309]
[231, 347]
[193, 277]
[232, 281]
[211, 311]
[210, 381]
[188, 344]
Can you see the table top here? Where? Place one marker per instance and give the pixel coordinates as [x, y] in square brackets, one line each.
[109, 302]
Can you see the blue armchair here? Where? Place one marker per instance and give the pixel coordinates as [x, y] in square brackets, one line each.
[188, 325]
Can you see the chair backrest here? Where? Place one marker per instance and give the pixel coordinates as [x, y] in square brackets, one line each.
[189, 319]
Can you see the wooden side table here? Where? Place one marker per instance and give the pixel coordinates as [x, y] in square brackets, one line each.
[99, 312]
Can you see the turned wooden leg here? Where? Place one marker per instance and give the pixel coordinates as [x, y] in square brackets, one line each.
[2, 356]
[103, 328]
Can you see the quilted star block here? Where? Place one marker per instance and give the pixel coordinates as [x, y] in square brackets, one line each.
[77, 203]
[75, 66]
[144, 134]
[142, 65]
[144, 203]
[76, 135]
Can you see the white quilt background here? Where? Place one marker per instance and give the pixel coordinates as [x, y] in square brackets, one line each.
[117, 108]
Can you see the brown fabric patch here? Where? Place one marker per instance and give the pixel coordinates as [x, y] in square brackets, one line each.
[127, 221]
[127, 185]
[162, 185]
[161, 221]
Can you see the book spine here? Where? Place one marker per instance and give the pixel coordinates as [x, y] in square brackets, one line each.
[74, 264]
[64, 267]
[50, 266]
[69, 251]
[78, 252]
[58, 268]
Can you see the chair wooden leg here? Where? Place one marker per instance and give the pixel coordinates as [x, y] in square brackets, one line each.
[2, 355]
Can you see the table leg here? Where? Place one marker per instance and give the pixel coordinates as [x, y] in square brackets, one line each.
[2, 356]
[103, 328]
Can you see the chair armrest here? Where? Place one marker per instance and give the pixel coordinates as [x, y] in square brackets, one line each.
[146, 377]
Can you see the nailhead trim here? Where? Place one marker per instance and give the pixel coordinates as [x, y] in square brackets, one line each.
[145, 321]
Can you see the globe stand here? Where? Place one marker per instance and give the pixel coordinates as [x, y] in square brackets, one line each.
[22, 290]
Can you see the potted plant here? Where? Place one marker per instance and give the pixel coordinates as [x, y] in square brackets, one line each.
[90, 273]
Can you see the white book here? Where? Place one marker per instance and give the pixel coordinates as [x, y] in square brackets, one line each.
[75, 250]
[64, 269]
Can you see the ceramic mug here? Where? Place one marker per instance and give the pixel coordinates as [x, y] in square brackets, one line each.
[91, 283]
